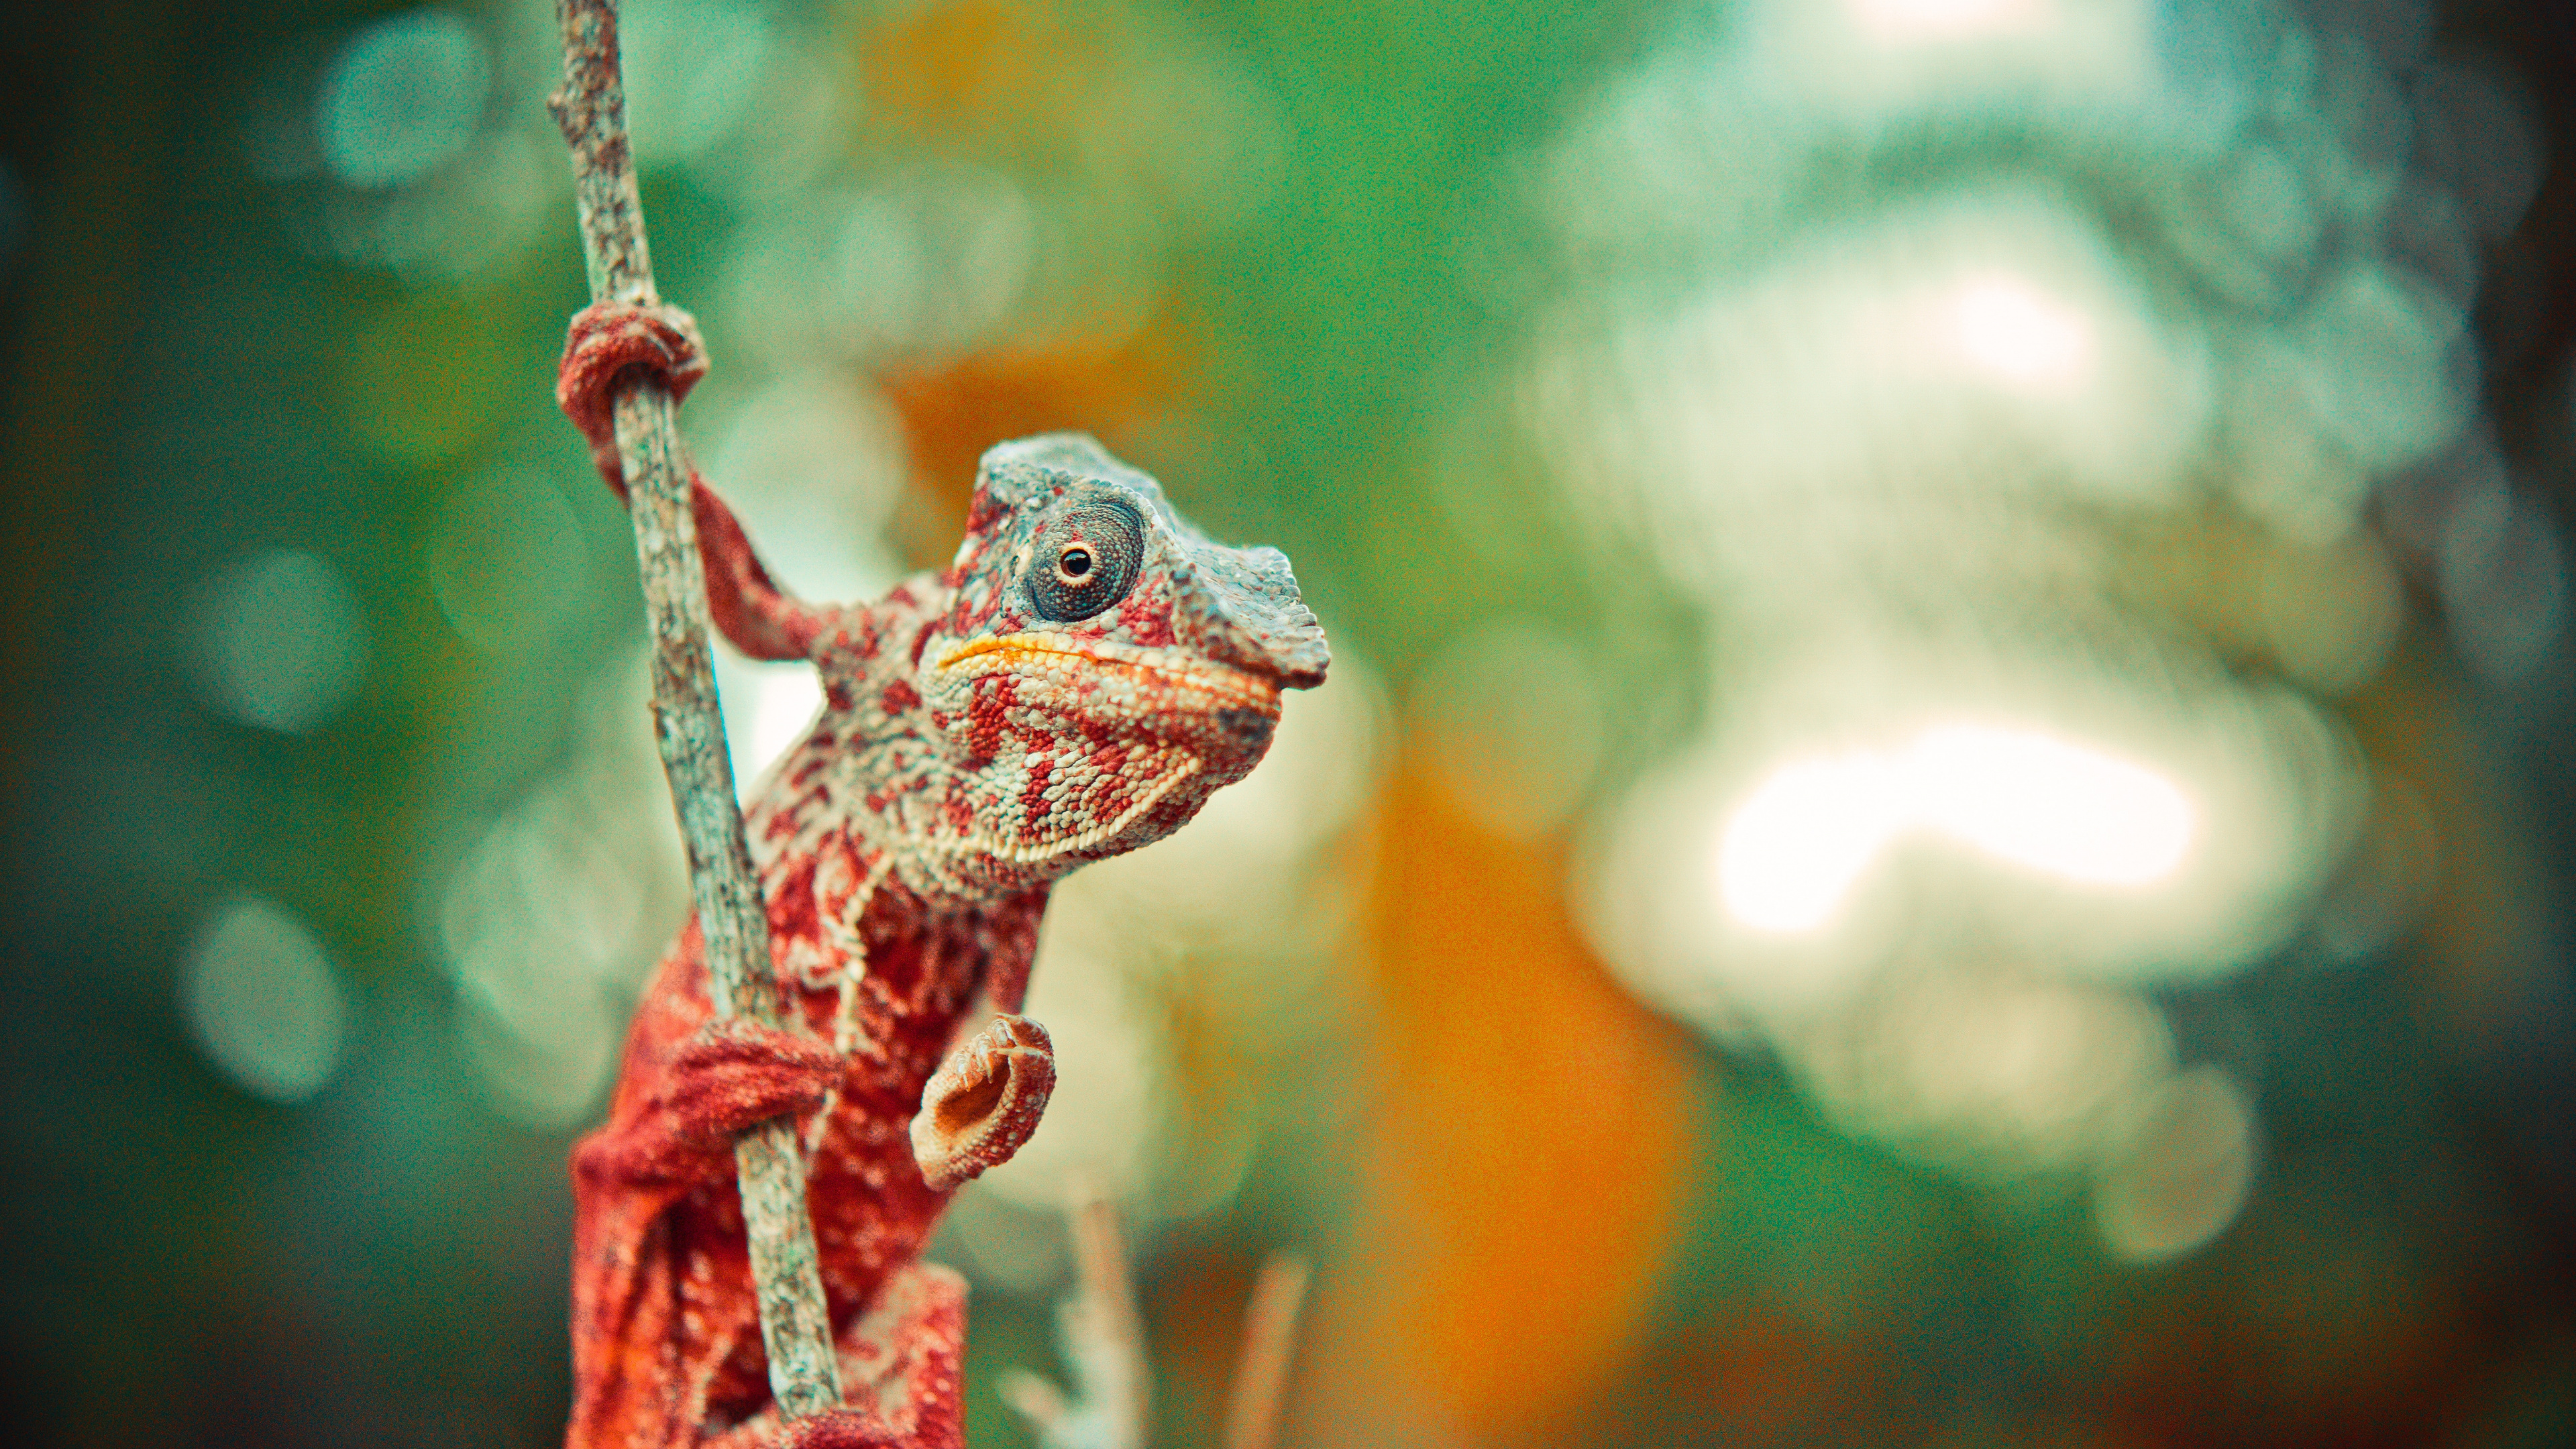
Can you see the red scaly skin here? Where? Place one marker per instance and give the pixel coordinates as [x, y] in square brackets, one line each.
[1072, 687]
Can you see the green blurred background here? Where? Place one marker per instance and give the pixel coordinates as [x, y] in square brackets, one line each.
[1943, 815]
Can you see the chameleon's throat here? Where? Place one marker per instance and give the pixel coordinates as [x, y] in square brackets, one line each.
[1044, 850]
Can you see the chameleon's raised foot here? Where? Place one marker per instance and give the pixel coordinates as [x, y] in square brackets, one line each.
[983, 1102]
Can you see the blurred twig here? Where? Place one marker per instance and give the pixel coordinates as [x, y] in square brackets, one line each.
[804, 1373]
[1269, 1335]
[1103, 1343]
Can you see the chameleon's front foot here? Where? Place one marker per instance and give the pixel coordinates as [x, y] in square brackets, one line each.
[726, 1078]
[983, 1102]
[608, 339]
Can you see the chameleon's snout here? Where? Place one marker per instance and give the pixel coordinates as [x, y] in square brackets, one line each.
[1242, 608]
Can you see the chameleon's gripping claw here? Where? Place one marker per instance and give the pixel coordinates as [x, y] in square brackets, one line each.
[606, 341]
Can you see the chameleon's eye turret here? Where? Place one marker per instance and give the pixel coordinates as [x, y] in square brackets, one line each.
[1085, 559]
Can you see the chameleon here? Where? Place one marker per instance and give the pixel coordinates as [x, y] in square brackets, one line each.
[1073, 685]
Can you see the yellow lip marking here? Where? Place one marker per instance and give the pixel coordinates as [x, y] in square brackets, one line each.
[1202, 674]
[1011, 644]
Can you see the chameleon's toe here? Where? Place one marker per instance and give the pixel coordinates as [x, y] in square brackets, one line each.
[983, 1102]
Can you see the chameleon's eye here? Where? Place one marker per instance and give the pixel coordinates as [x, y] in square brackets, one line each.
[1086, 559]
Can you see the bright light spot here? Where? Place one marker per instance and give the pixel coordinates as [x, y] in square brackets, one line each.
[1945, 19]
[2184, 1175]
[1796, 846]
[551, 916]
[1998, 1076]
[280, 642]
[1891, 58]
[537, 913]
[768, 708]
[404, 96]
[264, 1002]
[2050, 806]
[548, 1078]
[2266, 203]
[476, 214]
[1874, 384]
[1793, 850]
[2379, 374]
[2020, 336]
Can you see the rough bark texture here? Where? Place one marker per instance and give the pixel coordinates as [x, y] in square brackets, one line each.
[591, 108]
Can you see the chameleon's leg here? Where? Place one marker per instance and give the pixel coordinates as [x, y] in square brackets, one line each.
[902, 1375]
[983, 1102]
[725, 1078]
[907, 1357]
[607, 340]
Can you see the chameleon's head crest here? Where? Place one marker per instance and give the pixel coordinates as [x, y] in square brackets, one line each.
[1237, 605]
[1103, 666]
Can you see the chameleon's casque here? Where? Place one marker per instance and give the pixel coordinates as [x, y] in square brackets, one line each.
[1073, 685]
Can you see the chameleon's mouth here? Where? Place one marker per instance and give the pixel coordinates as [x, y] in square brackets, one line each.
[1169, 679]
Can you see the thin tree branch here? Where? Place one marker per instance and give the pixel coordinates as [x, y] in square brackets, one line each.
[1121, 1379]
[1104, 1346]
[804, 1373]
[1269, 1334]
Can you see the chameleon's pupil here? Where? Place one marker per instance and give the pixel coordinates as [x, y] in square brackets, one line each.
[1075, 563]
